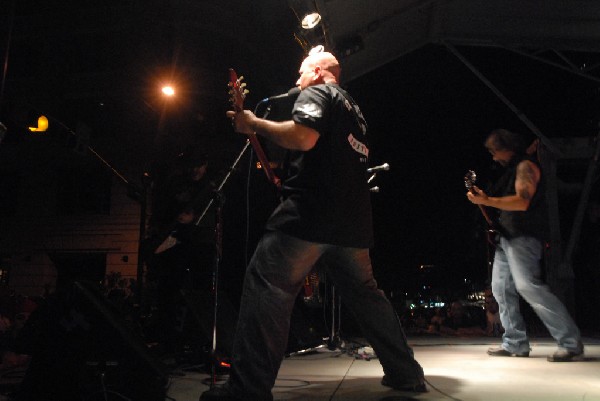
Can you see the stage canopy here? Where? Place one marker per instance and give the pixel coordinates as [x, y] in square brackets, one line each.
[373, 33]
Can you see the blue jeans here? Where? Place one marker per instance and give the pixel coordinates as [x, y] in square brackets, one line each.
[517, 271]
[274, 278]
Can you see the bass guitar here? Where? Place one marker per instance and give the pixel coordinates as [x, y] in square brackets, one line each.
[238, 92]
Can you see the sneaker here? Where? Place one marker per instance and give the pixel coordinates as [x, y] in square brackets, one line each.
[499, 351]
[218, 394]
[415, 388]
[563, 355]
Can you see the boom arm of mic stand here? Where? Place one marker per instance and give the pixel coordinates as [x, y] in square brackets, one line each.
[134, 192]
[220, 187]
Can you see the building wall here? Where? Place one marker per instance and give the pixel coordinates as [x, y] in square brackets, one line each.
[35, 230]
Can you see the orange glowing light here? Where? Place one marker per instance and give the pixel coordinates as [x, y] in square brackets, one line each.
[168, 90]
[42, 125]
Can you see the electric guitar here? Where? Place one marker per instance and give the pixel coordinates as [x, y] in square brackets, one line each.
[187, 219]
[238, 92]
[493, 229]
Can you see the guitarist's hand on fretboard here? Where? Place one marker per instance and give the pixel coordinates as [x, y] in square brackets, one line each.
[476, 195]
[243, 121]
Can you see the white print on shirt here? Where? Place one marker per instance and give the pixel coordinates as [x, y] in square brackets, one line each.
[358, 145]
[311, 110]
[347, 104]
[360, 119]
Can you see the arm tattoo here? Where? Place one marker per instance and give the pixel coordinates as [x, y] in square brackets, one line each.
[526, 180]
[524, 193]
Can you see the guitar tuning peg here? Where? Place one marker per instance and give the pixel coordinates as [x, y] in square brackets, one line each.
[241, 78]
[243, 85]
[246, 91]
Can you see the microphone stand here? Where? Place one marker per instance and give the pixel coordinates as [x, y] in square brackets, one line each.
[219, 198]
[334, 337]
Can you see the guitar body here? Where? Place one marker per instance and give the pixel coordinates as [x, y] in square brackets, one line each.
[186, 229]
[167, 244]
[172, 238]
[190, 197]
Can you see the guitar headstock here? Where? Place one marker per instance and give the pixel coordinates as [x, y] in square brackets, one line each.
[470, 179]
[237, 90]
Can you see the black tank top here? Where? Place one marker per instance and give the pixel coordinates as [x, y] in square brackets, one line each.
[533, 221]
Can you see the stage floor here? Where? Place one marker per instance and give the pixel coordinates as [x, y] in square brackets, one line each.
[455, 369]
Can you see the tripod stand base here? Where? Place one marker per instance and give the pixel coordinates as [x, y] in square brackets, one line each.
[311, 350]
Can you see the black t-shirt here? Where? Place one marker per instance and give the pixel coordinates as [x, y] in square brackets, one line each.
[326, 196]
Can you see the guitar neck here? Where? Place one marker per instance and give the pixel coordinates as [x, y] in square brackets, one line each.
[470, 178]
[484, 212]
[238, 93]
[262, 158]
[486, 216]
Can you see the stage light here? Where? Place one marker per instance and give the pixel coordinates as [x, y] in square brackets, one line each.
[42, 125]
[311, 20]
[316, 49]
[168, 90]
[311, 30]
[306, 12]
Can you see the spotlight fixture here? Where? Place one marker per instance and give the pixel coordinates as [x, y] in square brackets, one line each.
[306, 12]
[311, 20]
[316, 49]
[311, 30]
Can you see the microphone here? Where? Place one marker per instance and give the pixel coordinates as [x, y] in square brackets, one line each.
[292, 92]
[382, 167]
